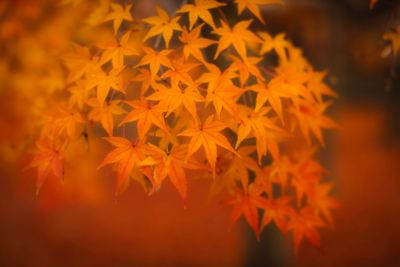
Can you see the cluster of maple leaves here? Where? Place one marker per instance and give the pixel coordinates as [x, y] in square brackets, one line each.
[169, 109]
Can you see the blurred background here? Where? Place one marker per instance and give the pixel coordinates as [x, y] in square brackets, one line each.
[81, 223]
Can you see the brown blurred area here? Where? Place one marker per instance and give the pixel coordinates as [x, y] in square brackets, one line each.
[81, 223]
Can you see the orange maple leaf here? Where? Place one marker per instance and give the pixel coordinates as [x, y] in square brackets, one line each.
[116, 51]
[304, 224]
[277, 211]
[48, 160]
[252, 5]
[180, 72]
[272, 92]
[146, 115]
[162, 24]
[277, 43]
[105, 113]
[199, 9]
[193, 43]
[236, 36]
[174, 97]
[155, 59]
[105, 82]
[221, 91]
[320, 199]
[311, 119]
[119, 14]
[67, 121]
[208, 136]
[126, 156]
[246, 203]
[246, 67]
[171, 164]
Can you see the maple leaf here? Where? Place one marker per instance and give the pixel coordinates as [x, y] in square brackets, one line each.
[174, 97]
[126, 157]
[231, 169]
[277, 43]
[105, 82]
[116, 51]
[220, 89]
[294, 80]
[246, 67]
[193, 43]
[105, 113]
[79, 94]
[119, 14]
[317, 86]
[246, 203]
[277, 211]
[200, 9]
[253, 121]
[162, 24]
[146, 78]
[273, 92]
[146, 115]
[180, 124]
[263, 128]
[171, 164]
[79, 62]
[67, 121]
[304, 224]
[179, 72]
[320, 199]
[48, 160]
[252, 5]
[155, 59]
[280, 171]
[236, 36]
[306, 173]
[311, 118]
[208, 136]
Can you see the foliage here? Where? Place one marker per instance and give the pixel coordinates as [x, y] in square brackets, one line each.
[249, 118]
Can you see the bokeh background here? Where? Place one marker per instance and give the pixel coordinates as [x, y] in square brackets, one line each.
[82, 223]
